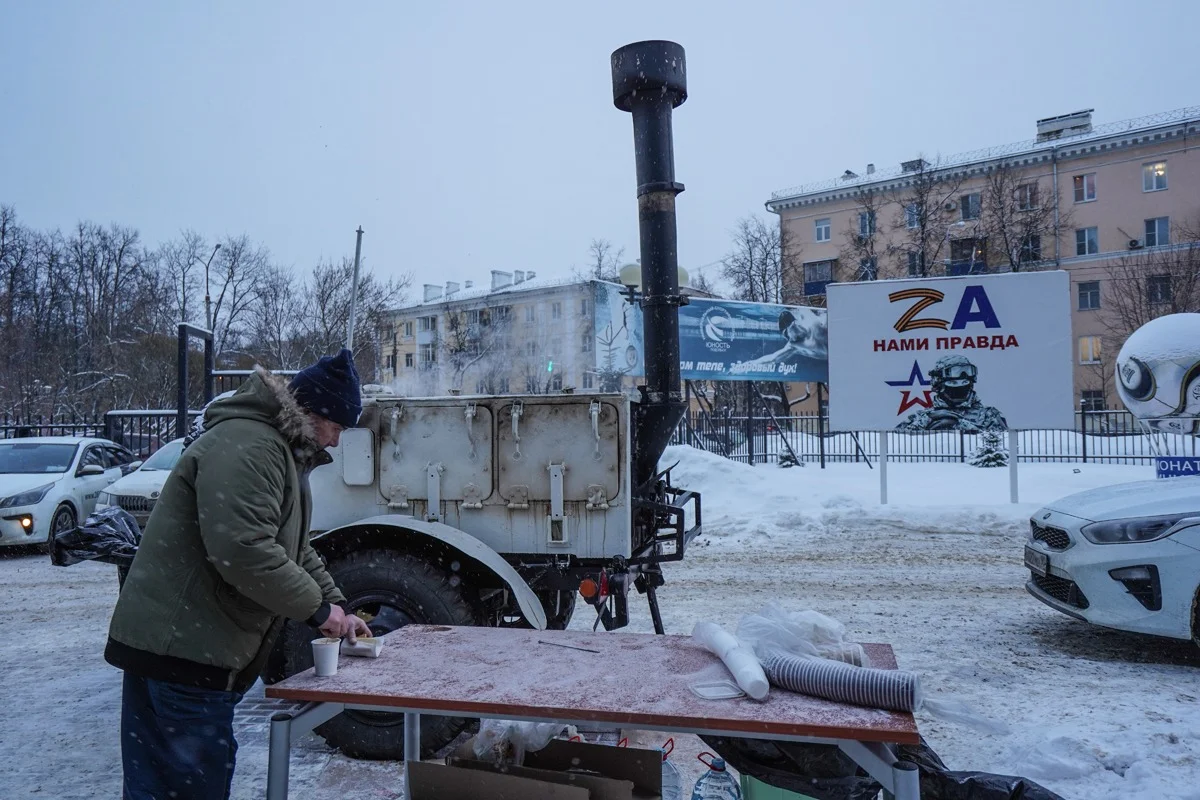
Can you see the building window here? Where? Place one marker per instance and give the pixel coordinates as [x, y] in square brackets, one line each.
[970, 206]
[1158, 289]
[474, 316]
[589, 342]
[585, 307]
[866, 223]
[1085, 188]
[556, 310]
[1031, 249]
[824, 230]
[502, 314]
[427, 323]
[531, 384]
[1087, 242]
[868, 269]
[916, 265]
[912, 216]
[481, 386]
[1158, 231]
[503, 387]
[556, 382]
[817, 275]
[1089, 349]
[530, 314]
[1092, 400]
[391, 363]
[1089, 295]
[1027, 196]
[408, 359]
[1154, 176]
[531, 348]
[428, 354]
[408, 330]
[589, 380]
[967, 256]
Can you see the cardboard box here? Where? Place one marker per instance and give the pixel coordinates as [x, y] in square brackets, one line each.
[423, 781]
[602, 771]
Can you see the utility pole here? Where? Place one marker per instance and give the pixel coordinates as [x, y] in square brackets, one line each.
[208, 320]
[354, 291]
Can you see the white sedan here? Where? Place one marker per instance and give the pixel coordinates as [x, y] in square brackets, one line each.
[1125, 557]
[49, 484]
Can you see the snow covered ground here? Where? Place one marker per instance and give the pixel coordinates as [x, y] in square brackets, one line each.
[1094, 714]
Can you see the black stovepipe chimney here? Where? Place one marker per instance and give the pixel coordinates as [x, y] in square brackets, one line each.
[649, 80]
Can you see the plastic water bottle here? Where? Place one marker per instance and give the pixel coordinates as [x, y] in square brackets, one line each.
[717, 783]
[672, 781]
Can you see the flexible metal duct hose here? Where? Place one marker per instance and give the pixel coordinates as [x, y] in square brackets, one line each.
[890, 689]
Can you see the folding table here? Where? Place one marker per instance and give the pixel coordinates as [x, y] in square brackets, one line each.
[637, 681]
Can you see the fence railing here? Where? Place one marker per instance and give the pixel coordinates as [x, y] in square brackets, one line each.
[1108, 437]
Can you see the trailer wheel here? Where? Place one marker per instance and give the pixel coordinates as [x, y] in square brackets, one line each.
[388, 590]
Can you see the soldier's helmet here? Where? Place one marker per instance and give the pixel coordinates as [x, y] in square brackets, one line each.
[953, 379]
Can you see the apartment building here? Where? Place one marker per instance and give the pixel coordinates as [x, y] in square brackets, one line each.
[518, 334]
[1117, 205]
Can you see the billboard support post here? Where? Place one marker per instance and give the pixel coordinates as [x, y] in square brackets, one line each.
[1013, 441]
[883, 459]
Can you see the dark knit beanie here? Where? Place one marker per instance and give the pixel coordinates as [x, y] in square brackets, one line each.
[329, 388]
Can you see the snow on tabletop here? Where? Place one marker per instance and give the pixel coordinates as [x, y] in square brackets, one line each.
[639, 680]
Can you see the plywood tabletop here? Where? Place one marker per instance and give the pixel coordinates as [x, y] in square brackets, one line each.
[635, 680]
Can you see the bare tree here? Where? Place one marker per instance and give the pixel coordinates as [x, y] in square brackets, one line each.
[477, 341]
[325, 312]
[925, 192]
[182, 261]
[763, 256]
[1145, 284]
[1018, 216]
[604, 261]
[238, 269]
[863, 245]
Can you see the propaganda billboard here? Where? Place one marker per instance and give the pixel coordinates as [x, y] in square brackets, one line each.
[974, 353]
[719, 340]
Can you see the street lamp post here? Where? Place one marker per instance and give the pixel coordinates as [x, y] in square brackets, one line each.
[208, 321]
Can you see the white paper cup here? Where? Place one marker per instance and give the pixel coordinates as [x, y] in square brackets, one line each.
[325, 656]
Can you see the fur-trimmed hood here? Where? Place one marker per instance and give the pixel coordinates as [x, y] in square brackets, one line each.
[265, 397]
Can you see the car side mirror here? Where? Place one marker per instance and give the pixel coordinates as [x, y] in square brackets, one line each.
[90, 470]
[132, 465]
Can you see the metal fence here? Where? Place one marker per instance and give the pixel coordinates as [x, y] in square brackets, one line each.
[1108, 437]
[62, 425]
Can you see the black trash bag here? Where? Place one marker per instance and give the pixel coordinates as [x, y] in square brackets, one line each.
[824, 772]
[110, 536]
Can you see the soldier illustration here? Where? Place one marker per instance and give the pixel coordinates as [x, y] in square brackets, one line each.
[956, 407]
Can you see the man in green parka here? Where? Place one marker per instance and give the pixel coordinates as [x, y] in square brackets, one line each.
[224, 561]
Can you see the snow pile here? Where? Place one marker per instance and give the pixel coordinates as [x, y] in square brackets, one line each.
[742, 503]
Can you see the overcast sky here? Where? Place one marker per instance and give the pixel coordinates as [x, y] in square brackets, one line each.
[471, 136]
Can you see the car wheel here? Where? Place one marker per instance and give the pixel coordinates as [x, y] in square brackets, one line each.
[64, 519]
[1196, 617]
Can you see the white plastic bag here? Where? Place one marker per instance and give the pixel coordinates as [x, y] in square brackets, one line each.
[799, 633]
[507, 741]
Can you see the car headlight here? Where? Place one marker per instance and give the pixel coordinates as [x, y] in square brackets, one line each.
[26, 498]
[1138, 529]
[103, 500]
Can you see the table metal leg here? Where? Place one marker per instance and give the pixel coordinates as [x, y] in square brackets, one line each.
[279, 755]
[906, 780]
[412, 736]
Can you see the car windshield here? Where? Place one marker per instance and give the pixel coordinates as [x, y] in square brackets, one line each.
[30, 458]
[164, 459]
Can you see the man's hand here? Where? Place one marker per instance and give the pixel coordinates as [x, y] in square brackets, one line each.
[341, 625]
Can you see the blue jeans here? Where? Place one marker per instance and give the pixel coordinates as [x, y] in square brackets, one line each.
[176, 741]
